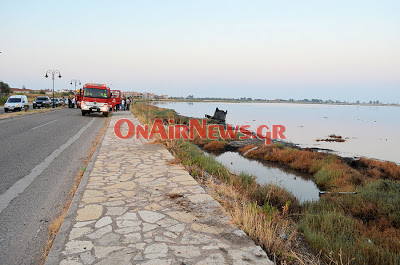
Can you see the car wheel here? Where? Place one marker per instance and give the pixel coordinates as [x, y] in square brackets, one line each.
[5, 110]
[83, 113]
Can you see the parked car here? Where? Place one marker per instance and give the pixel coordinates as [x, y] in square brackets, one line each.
[56, 102]
[60, 101]
[41, 102]
[17, 102]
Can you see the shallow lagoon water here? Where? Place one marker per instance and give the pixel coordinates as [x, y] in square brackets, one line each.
[370, 131]
[301, 187]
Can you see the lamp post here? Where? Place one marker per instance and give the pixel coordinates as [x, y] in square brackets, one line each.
[76, 81]
[53, 72]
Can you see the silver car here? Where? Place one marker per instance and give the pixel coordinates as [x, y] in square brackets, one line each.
[17, 102]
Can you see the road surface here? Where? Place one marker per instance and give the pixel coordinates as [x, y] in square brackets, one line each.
[39, 158]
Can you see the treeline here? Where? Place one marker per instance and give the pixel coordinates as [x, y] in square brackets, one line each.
[313, 100]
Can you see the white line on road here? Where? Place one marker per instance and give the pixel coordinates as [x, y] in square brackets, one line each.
[22, 184]
[43, 125]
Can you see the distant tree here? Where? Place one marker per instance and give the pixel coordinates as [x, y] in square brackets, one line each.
[4, 88]
[23, 87]
[190, 97]
[42, 92]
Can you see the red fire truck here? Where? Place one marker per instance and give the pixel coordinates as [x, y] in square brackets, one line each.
[115, 97]
[79, 96]
[96, 98]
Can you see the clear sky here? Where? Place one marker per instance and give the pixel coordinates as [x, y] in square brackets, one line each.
[342, 49]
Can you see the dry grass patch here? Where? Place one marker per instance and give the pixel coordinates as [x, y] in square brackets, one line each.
[173, 162]
[269, 227]
[215, 146]
[379, 169]
[22, 113]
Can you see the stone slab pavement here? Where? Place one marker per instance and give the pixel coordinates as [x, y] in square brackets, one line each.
[133, 207]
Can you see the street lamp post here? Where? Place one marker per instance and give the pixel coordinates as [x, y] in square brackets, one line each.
[76, 81]
[53, 72]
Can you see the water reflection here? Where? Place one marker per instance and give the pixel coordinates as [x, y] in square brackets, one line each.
[372, 131]
[304, 189]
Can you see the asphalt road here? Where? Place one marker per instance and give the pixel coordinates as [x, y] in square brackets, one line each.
[40, 155]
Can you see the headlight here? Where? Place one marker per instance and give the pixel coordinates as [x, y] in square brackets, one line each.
[34, 102]
[17, 105]
[5, 105]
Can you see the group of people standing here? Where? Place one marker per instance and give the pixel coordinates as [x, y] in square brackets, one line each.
[72, 102]
[125, 104]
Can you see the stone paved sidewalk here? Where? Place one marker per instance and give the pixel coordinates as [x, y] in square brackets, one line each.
[137, 209]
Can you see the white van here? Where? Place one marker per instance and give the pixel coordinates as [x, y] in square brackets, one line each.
[17, 102]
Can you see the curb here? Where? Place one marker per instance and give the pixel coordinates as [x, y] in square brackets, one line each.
[62, 235]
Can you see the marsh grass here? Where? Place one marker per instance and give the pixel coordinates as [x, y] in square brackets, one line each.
[265, 225]
[147, 113]
[215, 146]
[363, 228]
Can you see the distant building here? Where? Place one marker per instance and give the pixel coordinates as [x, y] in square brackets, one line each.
[132, 94]
[65, 91]
[136, 95]
[26, 91]
[144, 95]
[20, 90]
